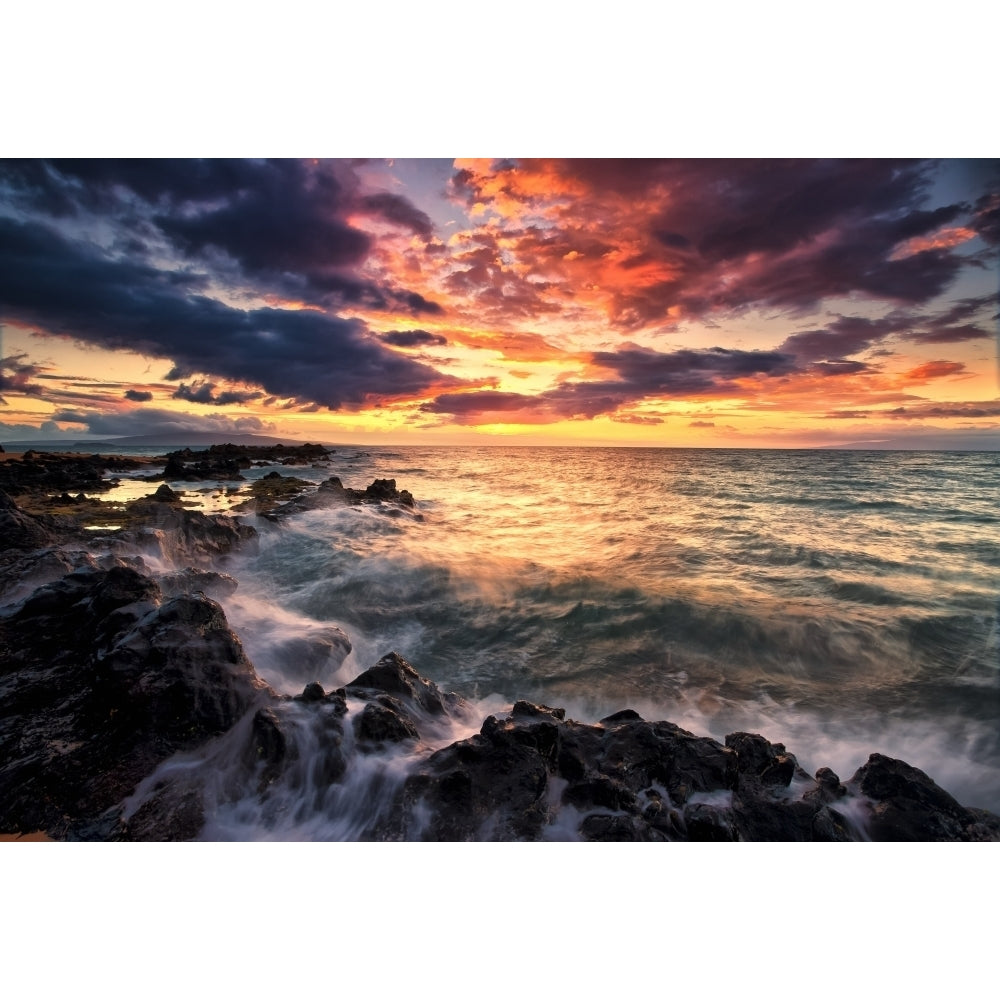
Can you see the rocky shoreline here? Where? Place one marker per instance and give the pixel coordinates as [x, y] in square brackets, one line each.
[130, 711]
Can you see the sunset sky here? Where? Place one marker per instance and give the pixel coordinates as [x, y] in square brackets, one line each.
[669, 303]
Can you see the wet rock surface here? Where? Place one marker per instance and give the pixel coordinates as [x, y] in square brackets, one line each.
[101, 680]
[332, 493]
[43, 472]
[229, 461]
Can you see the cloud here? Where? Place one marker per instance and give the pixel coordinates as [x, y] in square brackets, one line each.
[479, 402]
[968, 411]
[934, 369]
[847, 335]
[147, 420]
[640, 374]
[138, 396]
[654, 240]
[284, 225]
[701, 423]
[204, 392]
[987, 218]
[76, 290]
[413, 338]
[16, 373]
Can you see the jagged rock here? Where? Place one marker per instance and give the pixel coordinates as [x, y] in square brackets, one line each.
[603, 827]
[905, 804]
[525, 709]
[704, 822]
[483, 788]
[102, 680]
[193, 581]
[625, 715]
[828, 787]
[395, 676]
[312, 692]
[384, 723]
[271, 491]
[332, 492]
[315, 655]
[174, 810]
[185, 536]
[45, 473]
[19, 530]
[166, 495]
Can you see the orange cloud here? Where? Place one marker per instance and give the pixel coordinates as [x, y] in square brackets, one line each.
[943, 239]
[933, 369]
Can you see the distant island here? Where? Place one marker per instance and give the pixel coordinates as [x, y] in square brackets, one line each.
[193, 437]
[160, 440]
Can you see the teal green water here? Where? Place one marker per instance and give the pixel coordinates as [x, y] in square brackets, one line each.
[839, 602]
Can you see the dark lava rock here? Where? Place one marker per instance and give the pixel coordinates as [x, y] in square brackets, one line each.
[382, 723]
[19, 530]
[495, 785]
[194, 581]
[166, 495]
[173, 810]
[185, 536]
[625, 715]
[226, 461]
[42, 472]
[332, 492]
[385, 489]
[599, 792]
[660, 753]
[904, 804]
[393, 675]
[312, 692]
[483, 788]
[101, 680]
[828, 787]
[314, 656]
[526, 710]
[21, 573]
[758, 758]
[602, 827]
[216, 463]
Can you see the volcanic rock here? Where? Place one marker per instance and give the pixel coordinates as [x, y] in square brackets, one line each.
[904, 804]
[100, 681]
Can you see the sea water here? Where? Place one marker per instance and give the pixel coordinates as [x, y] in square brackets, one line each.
[838, 602]
[841, 603]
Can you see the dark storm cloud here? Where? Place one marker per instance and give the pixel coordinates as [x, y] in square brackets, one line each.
[73, 289]
[413, 338]
[977, 410]
[16, 373]
[728, 234]
[138, 396]
[204, 392]
[850, 335]
[641, 374]
[955, 324]
[394, 208]
[281, 223]
[986, 221]
[847, 335]
[483, 401]
[680, 372]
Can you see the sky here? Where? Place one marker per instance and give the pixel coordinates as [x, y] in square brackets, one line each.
[705, 303]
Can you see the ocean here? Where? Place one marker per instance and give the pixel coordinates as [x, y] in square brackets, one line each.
[839, 602]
